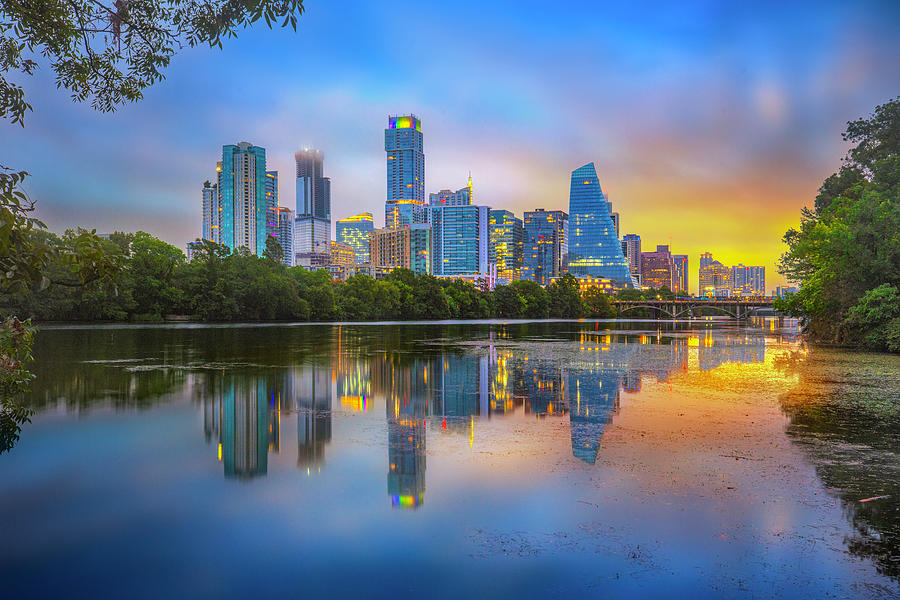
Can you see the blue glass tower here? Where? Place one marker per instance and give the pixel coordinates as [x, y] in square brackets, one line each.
[404, 146]
[594, 247]
[242, 186]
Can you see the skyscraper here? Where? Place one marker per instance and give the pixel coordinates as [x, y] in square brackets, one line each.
[212, 212]
[459, 239]
[242, 189]
[681, 274]
[356, 231]
[657, 269]
[271, 201]
[460, 197]
[284, 233]
[715, 278]
[505, 244]
[404, 146]
[312, 226]
[594, 247]
[544, 244]
[406, 247]
[748, 281]
[631, 248]
[420, 248]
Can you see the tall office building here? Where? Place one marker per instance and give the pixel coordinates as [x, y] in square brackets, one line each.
[715, 278]
[271, 201]
[594, 247]
[356, 231]
[545, 243]
[283, 232]
[312, 223]
[613, 215]
[459, 239]
[404, 146]
[631, 248]
[342, 254]
[460, 197]
[748, 281]
[657, 269]
[242, 197]
[420, 248]
[212, 212]
[406, 247]
[680, 284]
[505, 233]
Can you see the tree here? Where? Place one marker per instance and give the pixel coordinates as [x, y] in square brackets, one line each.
[508, 304]
[848, 248]
[274, 250]
[152, 268]
[597, 304]
[565, 298]
[534, 297]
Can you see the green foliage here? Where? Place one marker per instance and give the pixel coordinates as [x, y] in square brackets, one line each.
[110, 52]
[876, 318]
[565, 298]
[536, 302]
[848, 247]
[597, 304]
[15, 353]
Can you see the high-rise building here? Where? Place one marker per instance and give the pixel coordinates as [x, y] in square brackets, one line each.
[312, 224]
[544, 245]
[680, 284]
[390, 248]
[420, 248]
[342, 254]
[404, 146]
[212, 212]
[357, 232]
[460, 197]
[748, 281]
[459, 239]
[715, 278]
[242, 197]
[631, 248]
[594, 247]
[271, 201]
[613, 215]
[657, 269]
[284, 233]
[505, 233]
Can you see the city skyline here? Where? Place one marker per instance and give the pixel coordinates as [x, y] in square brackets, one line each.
[744, 127]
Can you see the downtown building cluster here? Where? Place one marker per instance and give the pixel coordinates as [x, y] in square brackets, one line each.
[446, 233]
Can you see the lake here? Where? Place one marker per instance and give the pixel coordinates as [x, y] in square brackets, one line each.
[703, 459]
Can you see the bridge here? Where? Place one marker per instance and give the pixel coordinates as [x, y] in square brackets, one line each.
[737, 308]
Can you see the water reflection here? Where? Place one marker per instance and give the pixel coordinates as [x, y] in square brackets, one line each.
[845, 414]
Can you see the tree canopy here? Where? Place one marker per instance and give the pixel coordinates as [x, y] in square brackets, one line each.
[846, 252]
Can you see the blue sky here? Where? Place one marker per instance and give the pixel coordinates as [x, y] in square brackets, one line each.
[711, 123]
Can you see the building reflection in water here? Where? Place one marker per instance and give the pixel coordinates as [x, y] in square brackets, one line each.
[312, 393]
[451, 390]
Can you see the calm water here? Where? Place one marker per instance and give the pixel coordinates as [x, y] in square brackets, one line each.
[568, 459]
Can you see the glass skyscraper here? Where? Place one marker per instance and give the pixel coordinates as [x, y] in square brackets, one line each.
[680, 285]
[594, 247]
[356, 231]
[460, 197]
[271, 201]
[283, 231]
[242, 197]
[505, 244]
[312, 223]
[459, 239]
[404, 146]
[212, 213]
[544, 245]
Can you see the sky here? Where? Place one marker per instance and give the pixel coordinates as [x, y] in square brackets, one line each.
[711, 123]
